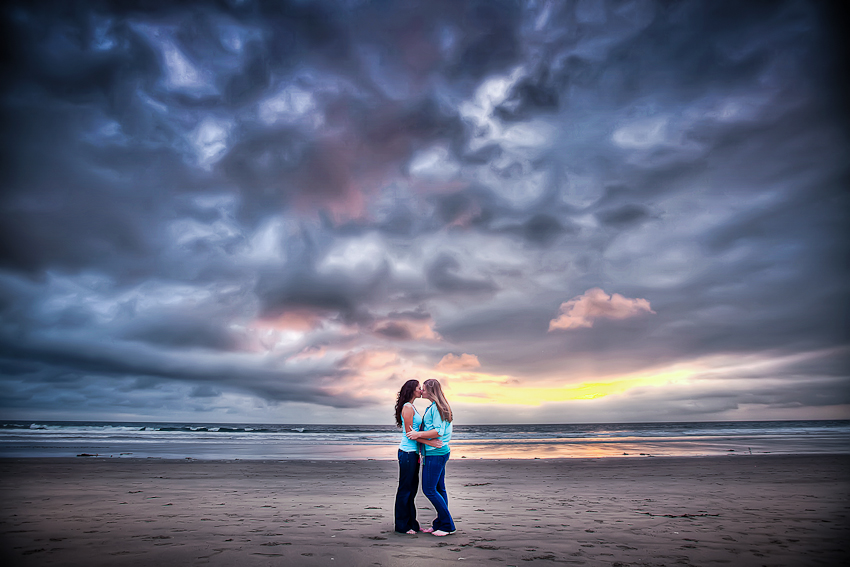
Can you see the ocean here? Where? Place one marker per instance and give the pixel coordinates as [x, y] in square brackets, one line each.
[337, 442]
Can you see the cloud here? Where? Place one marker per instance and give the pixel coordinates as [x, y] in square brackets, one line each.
[212, 207]
[454, 363]
[365, 360]
[406, 329]
[442, 275]
[583, 310]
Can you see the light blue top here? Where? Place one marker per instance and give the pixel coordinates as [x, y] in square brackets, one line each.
[444, 428]
[406, 444]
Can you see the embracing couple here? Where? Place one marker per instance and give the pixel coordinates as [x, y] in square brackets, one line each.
[428, 435]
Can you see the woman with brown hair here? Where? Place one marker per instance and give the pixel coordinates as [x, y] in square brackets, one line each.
[408, 419]
[438, 425]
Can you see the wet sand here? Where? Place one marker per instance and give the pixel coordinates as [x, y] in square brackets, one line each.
[734, 510]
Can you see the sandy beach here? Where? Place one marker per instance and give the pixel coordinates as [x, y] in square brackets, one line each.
[735, 510]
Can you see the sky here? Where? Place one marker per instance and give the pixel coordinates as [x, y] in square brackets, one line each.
[565, 211]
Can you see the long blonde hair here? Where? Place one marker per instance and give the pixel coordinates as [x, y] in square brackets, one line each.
[435, 392]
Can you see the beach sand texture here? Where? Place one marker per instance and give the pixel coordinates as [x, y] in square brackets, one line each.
[741, 510]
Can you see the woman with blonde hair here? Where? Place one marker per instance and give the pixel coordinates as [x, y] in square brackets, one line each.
[408, 419]
[438, 425]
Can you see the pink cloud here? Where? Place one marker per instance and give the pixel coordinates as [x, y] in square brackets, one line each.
[451, 362]
[342, 171]
[583, 310]
[365, 360]
[403, 329]
[293, 320]
[311, 352]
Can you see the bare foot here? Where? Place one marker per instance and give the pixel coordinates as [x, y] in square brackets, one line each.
[439, 533]
[410, 532]
[427, 530]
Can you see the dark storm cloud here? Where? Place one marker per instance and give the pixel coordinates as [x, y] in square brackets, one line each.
[180, 330]
[212, 195]
[394, 330]
[300, 286]
[531, 96]
[542, 228]
[452, 206]
[58, 358]
[442, 274]
[627, 214]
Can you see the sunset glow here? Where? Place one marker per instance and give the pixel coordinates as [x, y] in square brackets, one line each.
[531, 395]
[279, 212]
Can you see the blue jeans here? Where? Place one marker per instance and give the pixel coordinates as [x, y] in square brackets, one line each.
[434, 488]
[408, 486]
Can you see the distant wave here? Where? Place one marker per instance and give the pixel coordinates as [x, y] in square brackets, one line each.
[21, 439]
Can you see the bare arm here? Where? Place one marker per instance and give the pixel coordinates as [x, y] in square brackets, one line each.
[436, 443]
[407, 414]
[423, 435]
[433, 433]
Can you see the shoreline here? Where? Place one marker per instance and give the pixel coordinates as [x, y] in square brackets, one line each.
[334, 442]
[324, 459]
[453, 460]
[519, 451]
[765, 509]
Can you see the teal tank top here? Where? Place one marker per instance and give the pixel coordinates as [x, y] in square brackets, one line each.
[409, 445]
[433, 420]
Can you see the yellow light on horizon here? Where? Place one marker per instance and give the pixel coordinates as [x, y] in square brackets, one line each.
[468, 387]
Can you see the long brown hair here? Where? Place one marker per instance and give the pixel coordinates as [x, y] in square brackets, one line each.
[404, 396]
[435, 392]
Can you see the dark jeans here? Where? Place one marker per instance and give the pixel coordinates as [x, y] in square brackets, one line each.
[408, 486]
[434, 488]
